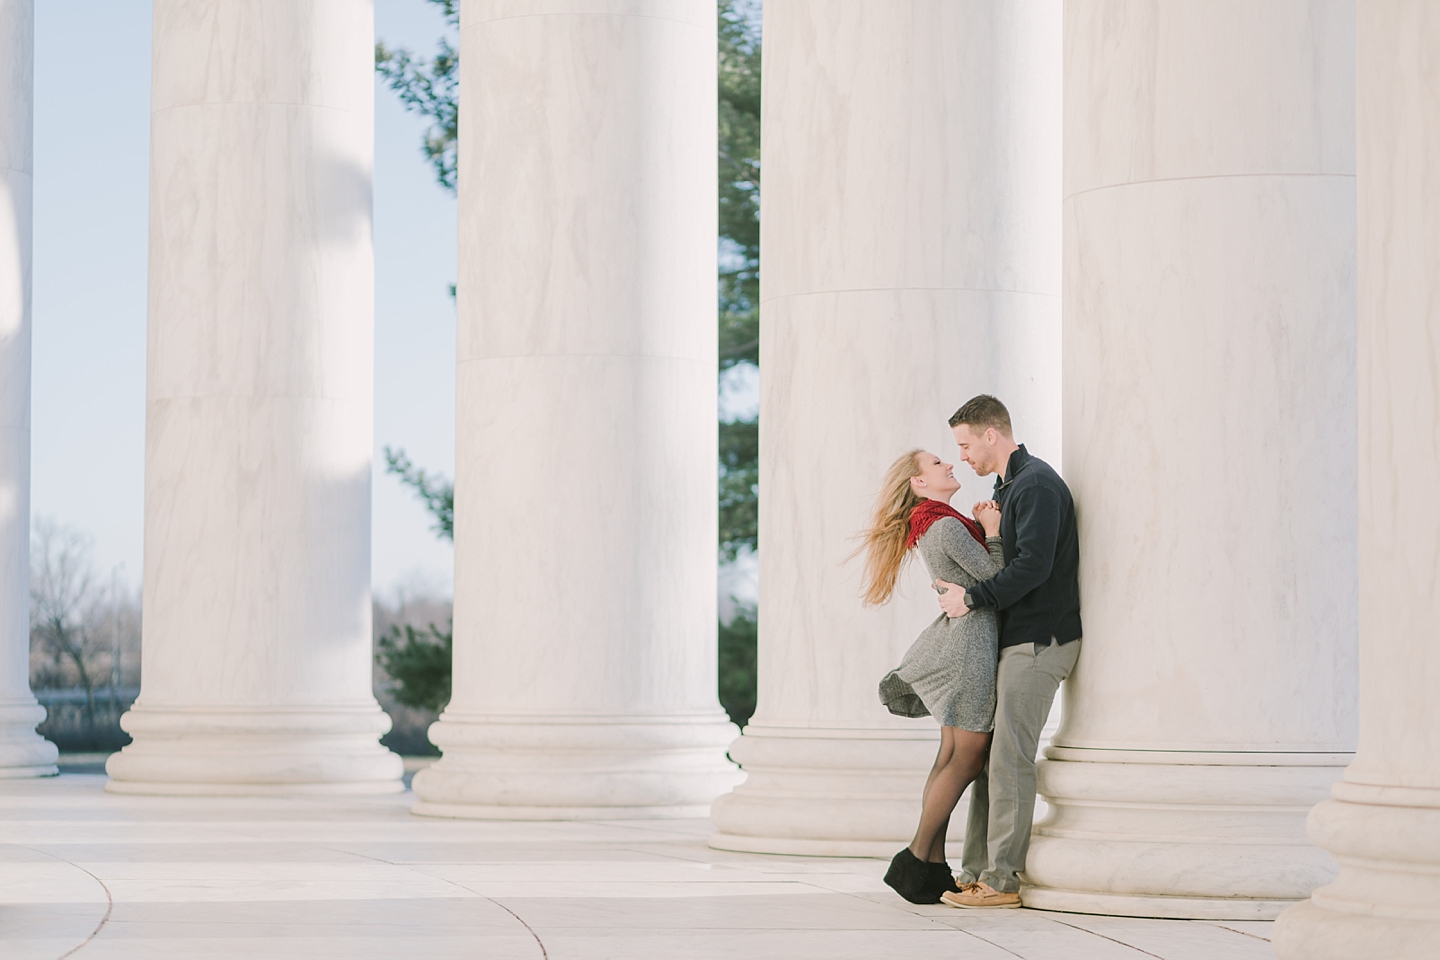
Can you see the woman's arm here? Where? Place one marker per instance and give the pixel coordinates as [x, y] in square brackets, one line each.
[988, 514]
[982, 563]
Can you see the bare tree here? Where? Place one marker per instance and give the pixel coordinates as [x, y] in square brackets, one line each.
[63, 595]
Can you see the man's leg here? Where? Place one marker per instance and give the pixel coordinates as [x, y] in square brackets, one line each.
[1026, 682]
[975, 856]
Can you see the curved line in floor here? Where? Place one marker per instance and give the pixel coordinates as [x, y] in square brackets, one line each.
[544, 955]
[109, 899]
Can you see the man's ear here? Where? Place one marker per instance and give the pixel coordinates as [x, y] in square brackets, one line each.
[991, 435]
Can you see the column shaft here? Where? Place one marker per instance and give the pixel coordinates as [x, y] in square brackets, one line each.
[1383, 822]
[257, 653]
[585, 489]
[910, 260]
[1209, 402]
[23, 753]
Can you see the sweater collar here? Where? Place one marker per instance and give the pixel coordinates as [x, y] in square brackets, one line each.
[1019, 460]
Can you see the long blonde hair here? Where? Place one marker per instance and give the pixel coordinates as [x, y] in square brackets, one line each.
[884, 541]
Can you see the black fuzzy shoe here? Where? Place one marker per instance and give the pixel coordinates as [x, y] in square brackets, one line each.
[941, 879]
[910, 877]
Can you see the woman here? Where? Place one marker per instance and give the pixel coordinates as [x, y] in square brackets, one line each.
[949, 672]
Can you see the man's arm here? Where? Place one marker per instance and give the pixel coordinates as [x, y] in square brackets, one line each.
[1037, 531]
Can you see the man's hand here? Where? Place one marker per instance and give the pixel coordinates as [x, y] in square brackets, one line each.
[952, 599]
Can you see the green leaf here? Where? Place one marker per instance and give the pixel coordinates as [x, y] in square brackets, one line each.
[418, 661]
[437, 493]
[737, 667]
[739, 486]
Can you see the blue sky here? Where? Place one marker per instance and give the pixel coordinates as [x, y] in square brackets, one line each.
[92, 80]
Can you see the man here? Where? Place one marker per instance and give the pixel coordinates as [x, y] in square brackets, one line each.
[1037, 596]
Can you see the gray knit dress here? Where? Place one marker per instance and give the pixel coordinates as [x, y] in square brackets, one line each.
[949, 671]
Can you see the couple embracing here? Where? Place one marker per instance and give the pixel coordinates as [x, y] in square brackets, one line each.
[987, 669]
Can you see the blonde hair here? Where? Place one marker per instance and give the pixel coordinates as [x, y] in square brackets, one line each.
[884, 541]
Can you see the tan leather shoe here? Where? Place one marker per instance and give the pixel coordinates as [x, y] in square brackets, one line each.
[974, 895]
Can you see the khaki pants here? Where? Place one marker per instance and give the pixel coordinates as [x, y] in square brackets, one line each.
[1002, 798]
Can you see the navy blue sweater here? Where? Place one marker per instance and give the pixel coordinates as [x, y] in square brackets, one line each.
[1038, 593]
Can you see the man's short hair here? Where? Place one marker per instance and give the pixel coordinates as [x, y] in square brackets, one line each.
[981, 413]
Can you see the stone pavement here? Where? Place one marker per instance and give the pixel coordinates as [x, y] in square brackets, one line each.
[97, 876]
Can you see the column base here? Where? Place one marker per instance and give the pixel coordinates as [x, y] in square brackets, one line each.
[1205, 836]
[255, 751]
[1310, 931]
[826, 792]
[1386, 900]
[23, 752]
[575, 768]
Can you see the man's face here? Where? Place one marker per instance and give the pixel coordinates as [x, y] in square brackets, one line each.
[977, 449]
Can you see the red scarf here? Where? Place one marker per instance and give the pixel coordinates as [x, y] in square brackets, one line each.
[927, 512]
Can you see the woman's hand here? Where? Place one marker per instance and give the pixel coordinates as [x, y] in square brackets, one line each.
[952, 598]
[987, 514]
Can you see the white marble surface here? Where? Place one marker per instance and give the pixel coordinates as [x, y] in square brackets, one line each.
[585, 525]
[1209, 405]
[22, 752]
[257, 665]
[1383, 824]
[910, 260]
[123, 877]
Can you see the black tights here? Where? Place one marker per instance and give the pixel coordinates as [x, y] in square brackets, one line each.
[960, 760]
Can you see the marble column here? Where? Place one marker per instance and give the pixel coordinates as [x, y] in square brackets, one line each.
[23, 753]
[1383, 821]
[585, 487]
[257, 653]
[910, 260]
[1209, 413]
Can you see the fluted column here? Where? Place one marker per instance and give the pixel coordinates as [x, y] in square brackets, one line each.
[910, 259]
[23, 753]
[257, 659]
[1209, 411]
[1383, 822]
[585, 488]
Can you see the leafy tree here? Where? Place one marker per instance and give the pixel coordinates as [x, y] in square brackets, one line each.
[737, 666]
[430, 88]
[437, 493]
[739, 113]
[419, 663]
[419, 660]
[739, 476]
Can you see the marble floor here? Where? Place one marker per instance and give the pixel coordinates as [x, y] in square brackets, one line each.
[92, 875]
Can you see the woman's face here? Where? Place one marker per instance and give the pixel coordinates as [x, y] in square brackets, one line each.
[937, 478]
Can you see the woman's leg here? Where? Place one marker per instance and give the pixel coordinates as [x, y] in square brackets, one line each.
[937, 846]
[947, 749]
[942, 758]
[961, 757]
